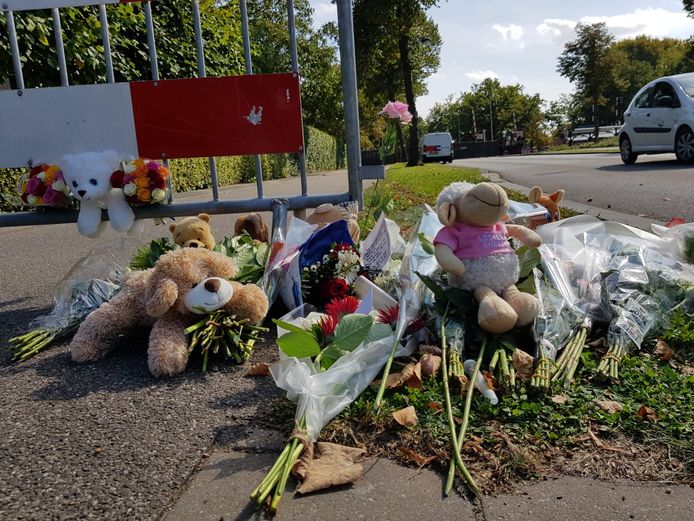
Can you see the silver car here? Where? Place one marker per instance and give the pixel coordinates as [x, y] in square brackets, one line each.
[660, 119]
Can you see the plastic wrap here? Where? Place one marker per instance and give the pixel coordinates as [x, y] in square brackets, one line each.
[555, 319]
[93, 280]
[678, 240]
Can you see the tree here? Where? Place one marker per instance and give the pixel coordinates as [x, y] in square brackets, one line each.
[511, 110]
[586, 62]
[397, 47]
[173, 27]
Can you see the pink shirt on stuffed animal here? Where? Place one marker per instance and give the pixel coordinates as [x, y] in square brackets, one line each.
[469, 242]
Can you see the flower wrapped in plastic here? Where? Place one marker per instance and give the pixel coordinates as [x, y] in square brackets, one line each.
[44, 186]
[143, 182]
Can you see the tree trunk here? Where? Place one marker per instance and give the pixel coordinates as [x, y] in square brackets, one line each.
[413, 157]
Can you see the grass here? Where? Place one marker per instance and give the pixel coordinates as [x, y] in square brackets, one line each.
[530, 434]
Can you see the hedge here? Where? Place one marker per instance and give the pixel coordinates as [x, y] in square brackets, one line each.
[322, 153]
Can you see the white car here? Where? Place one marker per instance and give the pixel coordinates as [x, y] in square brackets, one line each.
[660, 119]
[437, 146]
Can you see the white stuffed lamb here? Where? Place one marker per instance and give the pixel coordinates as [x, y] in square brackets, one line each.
[88, 174]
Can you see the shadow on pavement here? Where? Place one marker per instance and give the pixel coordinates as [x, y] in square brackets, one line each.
[645, 167]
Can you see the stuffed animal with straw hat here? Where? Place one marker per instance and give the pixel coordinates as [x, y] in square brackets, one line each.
[474, 250]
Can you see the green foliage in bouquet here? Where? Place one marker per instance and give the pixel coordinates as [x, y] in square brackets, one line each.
[250, 256]
[148, 255]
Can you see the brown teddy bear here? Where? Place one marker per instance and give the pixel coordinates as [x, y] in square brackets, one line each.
[169, 297]
[329, 213]
[473, 248]
[254, 225]
[193, 232]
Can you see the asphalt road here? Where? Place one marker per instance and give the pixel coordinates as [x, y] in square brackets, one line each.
[657, 186]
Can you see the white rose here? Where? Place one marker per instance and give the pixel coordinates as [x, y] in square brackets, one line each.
[129, 167]
[59, 186]
[42, 176]
[31, 199]
[130, 189]
[158, 194]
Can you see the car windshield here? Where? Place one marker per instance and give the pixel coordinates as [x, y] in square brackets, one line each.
[687, 84]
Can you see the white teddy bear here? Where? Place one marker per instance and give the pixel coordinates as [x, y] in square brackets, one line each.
[88, 174]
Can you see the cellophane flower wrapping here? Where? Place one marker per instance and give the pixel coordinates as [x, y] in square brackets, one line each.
[321, 395]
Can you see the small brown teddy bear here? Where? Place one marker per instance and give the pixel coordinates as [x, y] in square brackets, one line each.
[254, 225]
[193, 232]
[329, 213]
[169, 297]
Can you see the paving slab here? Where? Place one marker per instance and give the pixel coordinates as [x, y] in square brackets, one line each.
[387, 490]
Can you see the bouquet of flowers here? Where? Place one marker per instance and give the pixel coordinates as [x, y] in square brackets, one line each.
[44, 186]
[333, 275]
[143, 182]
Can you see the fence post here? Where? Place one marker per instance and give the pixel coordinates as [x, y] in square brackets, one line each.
[349, 95]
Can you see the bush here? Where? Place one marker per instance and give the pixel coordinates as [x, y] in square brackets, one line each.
[322, 153]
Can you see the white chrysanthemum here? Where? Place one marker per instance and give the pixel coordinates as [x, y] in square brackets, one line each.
[130, 189]
[158, 194]
[347, 265]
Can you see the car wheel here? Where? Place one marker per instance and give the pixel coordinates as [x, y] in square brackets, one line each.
[628, 155]
[684, 145]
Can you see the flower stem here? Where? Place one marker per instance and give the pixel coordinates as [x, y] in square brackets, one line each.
[463, 429]
[386, 372]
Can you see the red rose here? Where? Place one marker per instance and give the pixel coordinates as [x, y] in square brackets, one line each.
[36, 170]
[332, 288]
[117, 179]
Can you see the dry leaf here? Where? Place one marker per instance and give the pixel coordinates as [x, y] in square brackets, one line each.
[411, 375]
[609, 406]
[335, 465]
[593, 437]
[98, 450]
[491, 381]
[430, 364]
[432, 350]
[663, 351]
[416, 457]
[435, 406]
[406, 417]
[259, 369]
[559, 399]
[646, 413]
[523, 364]
[304, 462]
[688, 370]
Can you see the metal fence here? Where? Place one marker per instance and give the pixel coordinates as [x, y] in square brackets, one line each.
[121, 114]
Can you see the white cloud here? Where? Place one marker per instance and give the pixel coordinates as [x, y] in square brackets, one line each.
[481, 75]
[323, 11]
[558, 28]
[656, 22]
[509, 32]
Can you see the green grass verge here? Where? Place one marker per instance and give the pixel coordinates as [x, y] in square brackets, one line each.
[586, 145]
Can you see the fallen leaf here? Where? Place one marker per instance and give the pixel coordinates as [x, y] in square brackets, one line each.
[463, 383]
[522, 363]
[432, 350]
[491, 381]
[335, 465]
[416, 457]
[430, 364]
[559, 399]
[663, 351]
[259, 369]
[646, 413]
[436, 406]
[98, 450]
[411, 375]
[406, 417]
[593, 437]
[304, 462]
[609, 406]
[688, 370]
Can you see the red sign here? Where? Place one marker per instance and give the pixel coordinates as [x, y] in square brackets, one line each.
[200, 117]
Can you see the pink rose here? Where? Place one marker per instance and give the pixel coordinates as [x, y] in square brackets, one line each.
[35, 186]
[52, 197]
[397, 110]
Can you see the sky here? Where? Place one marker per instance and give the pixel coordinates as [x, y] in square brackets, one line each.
[519, 42]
